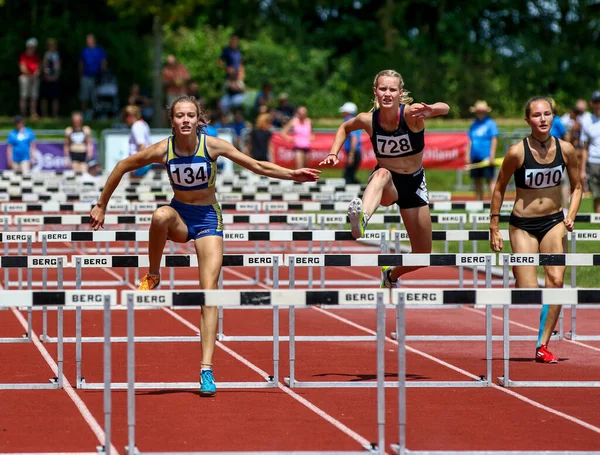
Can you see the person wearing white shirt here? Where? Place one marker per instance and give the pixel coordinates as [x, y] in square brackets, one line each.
[590, 159]
[139, 138]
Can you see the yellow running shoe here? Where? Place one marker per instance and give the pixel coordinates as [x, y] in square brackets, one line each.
[386, 281]
[149, 282]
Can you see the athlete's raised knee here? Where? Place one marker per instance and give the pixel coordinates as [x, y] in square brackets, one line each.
[382, 176]
[554, 279]
[163, 217]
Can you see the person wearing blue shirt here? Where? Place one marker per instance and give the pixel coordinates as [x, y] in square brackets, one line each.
[20, 147]
[92, 61]
[231, 58]
[483, 142]
[351, 145]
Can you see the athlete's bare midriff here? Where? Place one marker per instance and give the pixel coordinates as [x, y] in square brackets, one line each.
[537, 202]
[406, 165]
[206, 196]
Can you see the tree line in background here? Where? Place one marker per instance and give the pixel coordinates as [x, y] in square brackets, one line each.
[325, 52]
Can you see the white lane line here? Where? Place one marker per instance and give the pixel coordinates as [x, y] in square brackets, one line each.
[77, 401]
[336, 423]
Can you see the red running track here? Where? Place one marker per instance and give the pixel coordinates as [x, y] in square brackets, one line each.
[301, 419]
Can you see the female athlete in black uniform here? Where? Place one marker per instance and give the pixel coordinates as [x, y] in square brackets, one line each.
[537, 223]
[396, 129]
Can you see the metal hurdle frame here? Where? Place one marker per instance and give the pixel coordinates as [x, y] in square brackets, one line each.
[383, 260]
[489, 298]
[273, 298]
[549, 296]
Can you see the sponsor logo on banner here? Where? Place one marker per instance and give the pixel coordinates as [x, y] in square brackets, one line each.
[522, 259]
[14, 207]
[477, 218]
[247, 206]
[507, 206]
[230, 197]
[140, 207]
[376, 235]
[93, 261]
[442, 150]
[151, 298]
[276, 206]
[55, 236]
[595, 218]
[294, 219]
[18, 238]
[29, 220]
[322, 196]
[143, 219]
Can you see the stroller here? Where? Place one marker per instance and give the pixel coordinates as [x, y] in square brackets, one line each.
[107, 96]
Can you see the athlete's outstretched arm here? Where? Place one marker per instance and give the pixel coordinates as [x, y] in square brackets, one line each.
[511, 163]
[153, 154]
[361, 122]
[218, 147]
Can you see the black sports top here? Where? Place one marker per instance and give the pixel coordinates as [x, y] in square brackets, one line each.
[400, 143]
[534, 175]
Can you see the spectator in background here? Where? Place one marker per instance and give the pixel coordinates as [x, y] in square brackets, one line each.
[264, 97]
[352, 145]
[590, 159]
[51, 74]
[29, 78]
[78, 146]
[581, 106]
[558, 128]
[139, 138]
[259, 145]
[231, 59]
[139, 98]
[92, 61]
[239, 124]
[92, 175]
[20, 147]
[234, 93]
[175, 77]
[483, 142]
[283, 112]
[303, 136]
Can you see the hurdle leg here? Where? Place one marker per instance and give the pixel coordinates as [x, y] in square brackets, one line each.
[131, 449]
[107, 376]
[29, 286]
[20, 253]
[292, 334]
[6, 252]
[126, 277]
[44, 336]
[60, 350]
[275, 376]
[573, 285]
[220, 310]
[78, 347]
[401, 337]
[171, 269]
[488, 343]
[506, 342]
[381, 373]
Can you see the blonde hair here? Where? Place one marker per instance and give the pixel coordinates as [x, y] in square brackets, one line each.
[404, 94]
[132, 110]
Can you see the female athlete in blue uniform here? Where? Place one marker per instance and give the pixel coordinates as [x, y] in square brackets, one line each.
[396, 128]
[190, 158]
[537, 223]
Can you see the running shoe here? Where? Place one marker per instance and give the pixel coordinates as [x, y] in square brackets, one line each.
[149, 282]
[542, 355]
[357, 218]
[386, 281]
[207, 383]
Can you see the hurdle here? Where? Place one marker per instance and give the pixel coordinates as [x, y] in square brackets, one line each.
[489, 298]
[378, 261]
[273, 299]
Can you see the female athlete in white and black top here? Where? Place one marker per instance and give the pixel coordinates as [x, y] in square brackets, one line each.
[537, 223]
[396, 129]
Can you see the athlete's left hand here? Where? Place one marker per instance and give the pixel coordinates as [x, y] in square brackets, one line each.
[306, 174]
[422, 111]
[569, 224]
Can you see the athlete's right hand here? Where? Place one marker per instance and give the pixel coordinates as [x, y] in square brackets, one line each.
[97, 217]
[330, 160]
[496, 240]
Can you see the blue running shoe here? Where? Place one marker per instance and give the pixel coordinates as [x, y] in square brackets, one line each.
[207, 383]
[386, 281]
